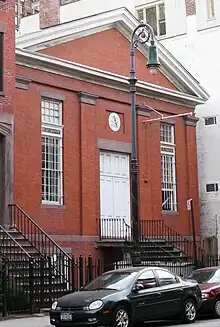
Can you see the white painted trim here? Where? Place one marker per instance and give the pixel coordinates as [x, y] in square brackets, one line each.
[100, 77]
[125, 22]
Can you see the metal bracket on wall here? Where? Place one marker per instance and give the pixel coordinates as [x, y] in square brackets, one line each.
[162, 116]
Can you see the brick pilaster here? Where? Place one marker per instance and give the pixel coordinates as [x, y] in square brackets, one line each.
[49, 13]
[190, 7]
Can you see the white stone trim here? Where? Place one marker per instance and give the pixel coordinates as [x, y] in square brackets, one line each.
[125, 22]
[101, 77]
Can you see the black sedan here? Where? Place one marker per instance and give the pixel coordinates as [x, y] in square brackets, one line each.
[120, 298]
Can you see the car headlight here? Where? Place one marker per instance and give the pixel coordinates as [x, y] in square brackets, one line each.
[95, 305]
[54, 305]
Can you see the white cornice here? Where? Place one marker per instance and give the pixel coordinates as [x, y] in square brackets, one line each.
[125, 22]
[101, 77]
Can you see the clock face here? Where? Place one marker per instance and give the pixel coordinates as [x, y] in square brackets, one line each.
[114, 121]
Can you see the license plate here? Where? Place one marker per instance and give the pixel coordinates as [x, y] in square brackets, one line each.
[66, 316]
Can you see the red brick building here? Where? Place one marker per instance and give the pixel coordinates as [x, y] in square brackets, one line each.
[7, 91]
[71, 163]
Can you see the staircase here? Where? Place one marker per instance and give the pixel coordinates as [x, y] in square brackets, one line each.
[159, 244]
[33, 265]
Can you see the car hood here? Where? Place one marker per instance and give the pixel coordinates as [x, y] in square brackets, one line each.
[209, 286]
[83, 298]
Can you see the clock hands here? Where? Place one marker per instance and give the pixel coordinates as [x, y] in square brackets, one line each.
[116, 124]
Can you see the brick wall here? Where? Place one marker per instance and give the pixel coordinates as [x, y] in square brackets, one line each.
[81, 190]
[49, 13]
[7, 14]
[190, 7]
[70, 218]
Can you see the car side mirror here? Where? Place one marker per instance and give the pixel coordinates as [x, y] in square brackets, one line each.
[138, 287]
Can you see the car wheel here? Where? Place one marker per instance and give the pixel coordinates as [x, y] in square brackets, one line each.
[189, 311]
[217, 308]
[121, 317]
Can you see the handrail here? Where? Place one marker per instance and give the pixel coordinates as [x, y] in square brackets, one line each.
[159, 230]
[24, 230]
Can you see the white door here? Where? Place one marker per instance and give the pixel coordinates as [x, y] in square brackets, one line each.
[115, 195]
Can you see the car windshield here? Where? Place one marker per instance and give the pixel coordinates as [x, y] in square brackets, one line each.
[206, 276]
[114, 280]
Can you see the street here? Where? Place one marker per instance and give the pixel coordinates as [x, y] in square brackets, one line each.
[44, 322]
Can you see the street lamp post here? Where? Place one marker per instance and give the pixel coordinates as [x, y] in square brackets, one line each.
[142, 34]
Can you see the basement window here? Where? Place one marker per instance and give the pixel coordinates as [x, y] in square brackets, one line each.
[1, 62]
[211, 120]
[212, 187]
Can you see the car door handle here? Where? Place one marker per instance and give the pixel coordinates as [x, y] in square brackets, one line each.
[158, 294]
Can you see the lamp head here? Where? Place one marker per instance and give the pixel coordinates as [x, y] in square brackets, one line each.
[153, 62]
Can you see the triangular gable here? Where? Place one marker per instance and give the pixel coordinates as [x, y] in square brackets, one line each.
[125, 22]
[109, 51]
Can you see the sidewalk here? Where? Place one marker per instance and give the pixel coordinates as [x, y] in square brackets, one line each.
[26, 322]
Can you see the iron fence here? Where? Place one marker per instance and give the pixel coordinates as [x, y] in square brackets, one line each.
[31, 284]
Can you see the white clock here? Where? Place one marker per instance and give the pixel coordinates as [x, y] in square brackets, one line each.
[114, 121]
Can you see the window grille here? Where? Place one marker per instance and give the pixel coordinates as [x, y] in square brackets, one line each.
[168, 168]
[52, 142]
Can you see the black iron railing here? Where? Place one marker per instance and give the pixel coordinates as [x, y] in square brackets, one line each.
[158, 230]
[33, 233]
[114, 229]
[42, 242]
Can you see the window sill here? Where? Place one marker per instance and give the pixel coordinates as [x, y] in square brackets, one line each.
[171, 213]
[52, 206]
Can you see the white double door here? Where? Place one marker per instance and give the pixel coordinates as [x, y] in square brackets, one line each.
[114, 195]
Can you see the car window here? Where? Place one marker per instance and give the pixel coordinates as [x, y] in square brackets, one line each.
[166, 278]
[205, 276]
[147, 279]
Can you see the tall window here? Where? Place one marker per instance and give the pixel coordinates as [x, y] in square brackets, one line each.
[52, 142]
[1, 61]
[211, 9]
[155, 16]
[168, 167]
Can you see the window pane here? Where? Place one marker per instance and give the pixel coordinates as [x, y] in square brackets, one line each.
[167, 133]
[166, 278]
[168, 182]
[161, 12]
[151, 18]
[51, 111]
[140, 15]
[211, 9]
[51, 174]
[162, 26]
[147, 279]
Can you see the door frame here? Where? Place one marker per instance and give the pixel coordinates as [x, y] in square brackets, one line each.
[101, 150]
[6, 131]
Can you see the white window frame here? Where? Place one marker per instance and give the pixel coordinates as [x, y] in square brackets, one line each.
[216, 187]
[55, 131]
[209, 117]
[211, 9]
[151, 5]
[168, 150]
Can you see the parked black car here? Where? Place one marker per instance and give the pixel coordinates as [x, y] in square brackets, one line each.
[209, 283]
[122, 297]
